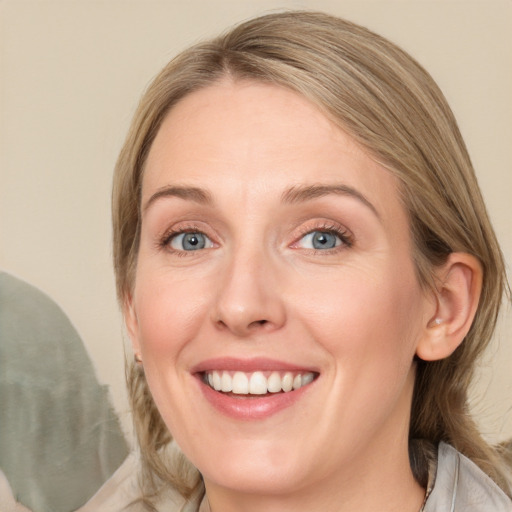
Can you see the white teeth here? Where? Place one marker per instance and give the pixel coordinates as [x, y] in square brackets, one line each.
[226, 382]
[274, 383]
[307, 378]
[240, 384]
[217, 385]
[287, 382]
[256, 383]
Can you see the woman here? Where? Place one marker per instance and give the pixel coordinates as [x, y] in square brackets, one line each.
[308, 275]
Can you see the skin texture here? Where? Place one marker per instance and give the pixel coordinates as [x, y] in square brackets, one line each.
[356, 313]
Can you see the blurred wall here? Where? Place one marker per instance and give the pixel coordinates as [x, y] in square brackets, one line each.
[71, 73]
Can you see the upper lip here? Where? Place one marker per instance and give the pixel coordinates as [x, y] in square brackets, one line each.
[248, 365]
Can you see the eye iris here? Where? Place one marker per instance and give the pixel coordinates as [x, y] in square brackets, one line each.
[193, 241]
[324, 240]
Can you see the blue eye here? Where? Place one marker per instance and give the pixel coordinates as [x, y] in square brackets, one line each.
[320, 240]
[190, 242]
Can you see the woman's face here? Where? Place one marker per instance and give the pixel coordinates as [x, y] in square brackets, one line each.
[274, 254]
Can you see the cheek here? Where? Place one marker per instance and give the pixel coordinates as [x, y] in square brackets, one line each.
[366, 315]
[169, 312]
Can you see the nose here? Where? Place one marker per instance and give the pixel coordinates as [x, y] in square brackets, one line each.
[248, 300]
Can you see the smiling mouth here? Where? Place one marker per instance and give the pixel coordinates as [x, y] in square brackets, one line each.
[257, 383]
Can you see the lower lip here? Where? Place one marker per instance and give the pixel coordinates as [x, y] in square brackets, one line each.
[255, 407]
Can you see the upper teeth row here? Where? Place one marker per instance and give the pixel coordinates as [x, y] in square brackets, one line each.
[256, 383]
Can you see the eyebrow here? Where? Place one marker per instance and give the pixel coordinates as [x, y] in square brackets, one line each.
[196, 194]
[297, 194]
[303, 193]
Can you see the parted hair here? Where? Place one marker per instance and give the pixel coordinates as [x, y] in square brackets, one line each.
[392, 107]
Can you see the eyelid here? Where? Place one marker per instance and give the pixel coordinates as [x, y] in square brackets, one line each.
[328, 226]
[310, 239]
[174, 238]
[164, 240]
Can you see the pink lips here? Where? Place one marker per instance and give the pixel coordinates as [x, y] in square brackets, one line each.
[245, 407]
[247, 365]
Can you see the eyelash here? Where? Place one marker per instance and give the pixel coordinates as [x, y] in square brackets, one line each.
[166, 239]
[343, 234]
[347, 239]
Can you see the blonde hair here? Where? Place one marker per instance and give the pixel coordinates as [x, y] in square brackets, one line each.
[392, 107]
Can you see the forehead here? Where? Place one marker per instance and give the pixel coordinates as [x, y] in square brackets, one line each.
[249, 136]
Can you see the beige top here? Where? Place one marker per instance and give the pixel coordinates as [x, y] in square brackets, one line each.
[120, 492]
[456, 485]
[7, 501]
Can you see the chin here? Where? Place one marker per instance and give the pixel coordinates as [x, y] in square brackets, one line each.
[261, 479]
[262, 469]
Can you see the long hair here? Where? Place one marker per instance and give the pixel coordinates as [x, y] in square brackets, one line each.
[392, 107]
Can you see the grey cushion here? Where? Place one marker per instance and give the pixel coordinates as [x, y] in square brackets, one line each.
[59, 437]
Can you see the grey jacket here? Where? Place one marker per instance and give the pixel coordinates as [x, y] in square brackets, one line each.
[460, 486]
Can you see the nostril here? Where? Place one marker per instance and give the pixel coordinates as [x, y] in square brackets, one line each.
[258, 323]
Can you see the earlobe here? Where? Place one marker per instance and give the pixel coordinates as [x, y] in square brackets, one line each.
[459, 283]
[132, 324]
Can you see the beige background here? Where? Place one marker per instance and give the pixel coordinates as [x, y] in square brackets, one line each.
[71, 72]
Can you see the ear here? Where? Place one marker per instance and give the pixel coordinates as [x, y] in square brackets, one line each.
[132, 324]
[459, 283]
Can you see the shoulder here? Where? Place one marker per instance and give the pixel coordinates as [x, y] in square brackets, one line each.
[460, 486]
[122, 493]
